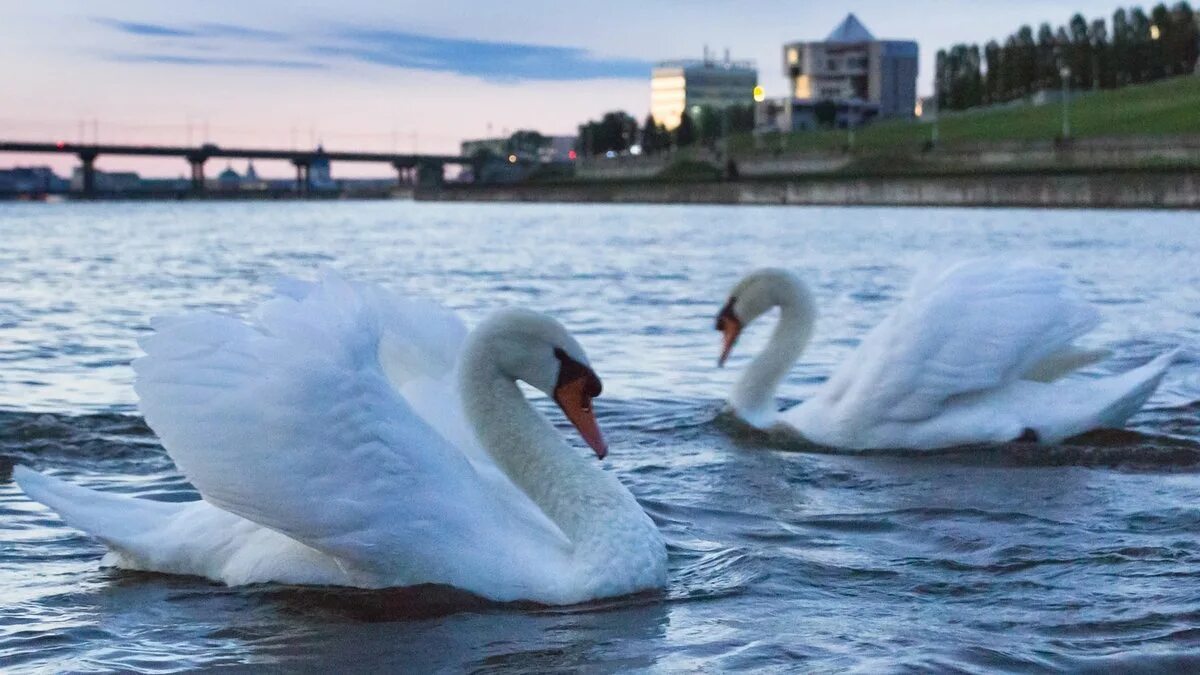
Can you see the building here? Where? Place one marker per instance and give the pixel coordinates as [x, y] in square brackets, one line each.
[320, 177]
[528, 146]
[229, 179]
[108, 181]
[490, 146]
[31, 180]
[250, 180]
[863, 77]
[557, 149]
[803, 114]
[676, 86]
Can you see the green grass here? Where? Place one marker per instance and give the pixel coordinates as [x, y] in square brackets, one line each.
[1167, 107]
[684, 170]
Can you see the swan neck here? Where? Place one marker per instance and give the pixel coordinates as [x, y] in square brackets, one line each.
[530, 451]
[754, 394]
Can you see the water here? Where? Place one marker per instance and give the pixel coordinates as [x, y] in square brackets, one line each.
[1085, 556]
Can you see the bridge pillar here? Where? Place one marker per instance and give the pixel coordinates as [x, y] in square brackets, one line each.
[403, 173]
[88, 160]
[303, 180]
[197, 162]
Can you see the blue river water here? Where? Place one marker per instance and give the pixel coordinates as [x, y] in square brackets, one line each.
[1080, 557]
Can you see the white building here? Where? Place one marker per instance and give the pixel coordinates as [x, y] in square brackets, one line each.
[676, 86]
[851, 65]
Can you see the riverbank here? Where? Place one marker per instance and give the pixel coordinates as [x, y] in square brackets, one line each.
[1149, 188]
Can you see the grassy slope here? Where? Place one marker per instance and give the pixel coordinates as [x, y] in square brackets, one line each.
[1167, 107]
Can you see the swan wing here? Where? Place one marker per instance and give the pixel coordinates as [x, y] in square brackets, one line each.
[976, 326]
[419, 345]
[295, 422]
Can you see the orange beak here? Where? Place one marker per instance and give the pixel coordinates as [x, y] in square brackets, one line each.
[576, 387]
[730, 327]
[576, 404]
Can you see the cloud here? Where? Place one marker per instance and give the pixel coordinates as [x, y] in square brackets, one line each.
[144, 29]
[198, 30]
[505, 61]
[177, 60]
[241, 32]
[488, 60]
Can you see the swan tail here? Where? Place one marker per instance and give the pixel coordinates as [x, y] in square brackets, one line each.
[1133, 388]
[118, 521]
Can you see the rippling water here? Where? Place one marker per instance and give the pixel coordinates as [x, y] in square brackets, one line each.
[1084, 556]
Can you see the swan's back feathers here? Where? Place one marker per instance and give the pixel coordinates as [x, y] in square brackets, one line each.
[297, 422]
[979, 325]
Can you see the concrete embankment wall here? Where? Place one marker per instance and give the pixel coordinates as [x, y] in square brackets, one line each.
[1134, 190]
[1079, 155]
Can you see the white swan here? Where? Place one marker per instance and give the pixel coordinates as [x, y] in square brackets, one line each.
[330, 445]
[973, 355]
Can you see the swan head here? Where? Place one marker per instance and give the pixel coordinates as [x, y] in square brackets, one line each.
[536, 349]
[752, 297]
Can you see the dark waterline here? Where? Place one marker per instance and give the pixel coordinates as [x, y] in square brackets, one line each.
[782, 557]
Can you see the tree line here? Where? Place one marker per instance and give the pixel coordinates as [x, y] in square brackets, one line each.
[1134, 49]
[618, 131]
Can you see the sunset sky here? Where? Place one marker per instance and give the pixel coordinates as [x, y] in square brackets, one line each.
[387, 75]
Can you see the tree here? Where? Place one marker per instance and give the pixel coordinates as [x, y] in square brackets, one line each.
[1080, 54]
[1160, 57]
[525, 143]
[1010, 75]
[1139, 53]
[615, 132]
[993, 83]
[1187, 28]
[1122, 48]
[1027, 65]
[1047, 59]
[649, 135]
[655, 138]
[685, 133]
[941, 77]
[741, 118]
[1102, 75]
[1138, 48]
[711, 125]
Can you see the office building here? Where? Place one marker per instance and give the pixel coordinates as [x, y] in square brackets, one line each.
[676, 86]
[862, 76]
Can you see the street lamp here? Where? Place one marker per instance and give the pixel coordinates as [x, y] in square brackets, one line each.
[1065, 72]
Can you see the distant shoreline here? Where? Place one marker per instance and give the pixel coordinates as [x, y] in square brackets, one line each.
[1149, 188]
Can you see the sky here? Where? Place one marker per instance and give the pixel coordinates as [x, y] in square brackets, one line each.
[391, 75]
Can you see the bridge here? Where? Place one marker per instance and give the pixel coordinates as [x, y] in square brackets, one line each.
[422, 169]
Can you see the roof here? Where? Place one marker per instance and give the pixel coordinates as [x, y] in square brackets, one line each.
[850, 30]
[691, 64]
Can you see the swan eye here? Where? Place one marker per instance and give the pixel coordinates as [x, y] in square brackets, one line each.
[727, 314]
